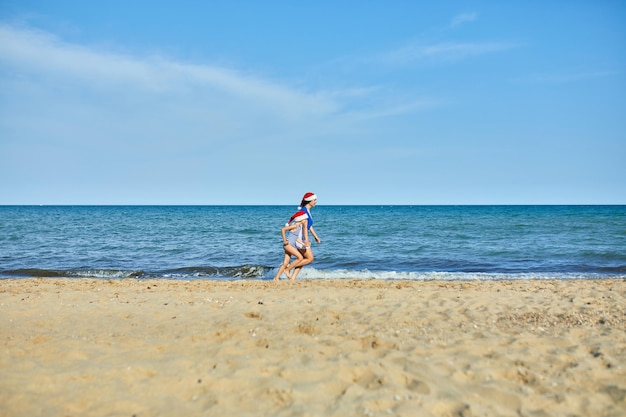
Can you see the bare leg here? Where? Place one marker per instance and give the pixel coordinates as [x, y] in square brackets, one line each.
[295, 273]
[307, 259]
[285, 267]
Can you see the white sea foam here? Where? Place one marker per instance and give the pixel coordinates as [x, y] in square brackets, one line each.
[313, 273]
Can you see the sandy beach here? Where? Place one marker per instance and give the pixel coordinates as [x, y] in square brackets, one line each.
[84, 347]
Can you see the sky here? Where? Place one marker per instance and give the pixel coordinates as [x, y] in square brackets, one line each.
[251, 102]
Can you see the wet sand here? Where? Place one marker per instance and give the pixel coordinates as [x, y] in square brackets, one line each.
[84, 347]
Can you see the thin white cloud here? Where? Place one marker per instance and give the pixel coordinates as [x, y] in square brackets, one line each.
[443, 51]
[232, 93]
[462, 18]
[397, 110]
[42, 53]
[568, 77]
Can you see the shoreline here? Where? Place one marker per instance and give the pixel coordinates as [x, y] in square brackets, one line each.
[145, 347]
[308, 274]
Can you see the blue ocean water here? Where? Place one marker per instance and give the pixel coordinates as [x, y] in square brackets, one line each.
[384, 242]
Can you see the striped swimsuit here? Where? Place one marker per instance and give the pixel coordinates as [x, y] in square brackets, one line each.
[295, 237]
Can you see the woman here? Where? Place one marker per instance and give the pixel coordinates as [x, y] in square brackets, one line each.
[308, 202]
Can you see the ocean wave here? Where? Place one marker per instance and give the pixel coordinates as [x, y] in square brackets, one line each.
[312, 273]
[232, 272]
[72, 273]
[202, 272]
[262, 272]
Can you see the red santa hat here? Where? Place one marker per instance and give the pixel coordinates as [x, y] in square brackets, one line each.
[309, 197]
[298, 216]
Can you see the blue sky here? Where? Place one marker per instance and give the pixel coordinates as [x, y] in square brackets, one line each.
[249, 102]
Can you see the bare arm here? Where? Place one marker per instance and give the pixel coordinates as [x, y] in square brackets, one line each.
[305, 233]
[317, 239]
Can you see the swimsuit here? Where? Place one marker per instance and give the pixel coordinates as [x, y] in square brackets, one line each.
[310, 221]
[295, 238]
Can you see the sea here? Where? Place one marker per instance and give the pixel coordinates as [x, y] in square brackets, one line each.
[363, 242]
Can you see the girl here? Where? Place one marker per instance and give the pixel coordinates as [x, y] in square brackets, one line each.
[297, 239]
[309, 200]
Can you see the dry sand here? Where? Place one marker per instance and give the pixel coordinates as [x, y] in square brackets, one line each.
[83, 347]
